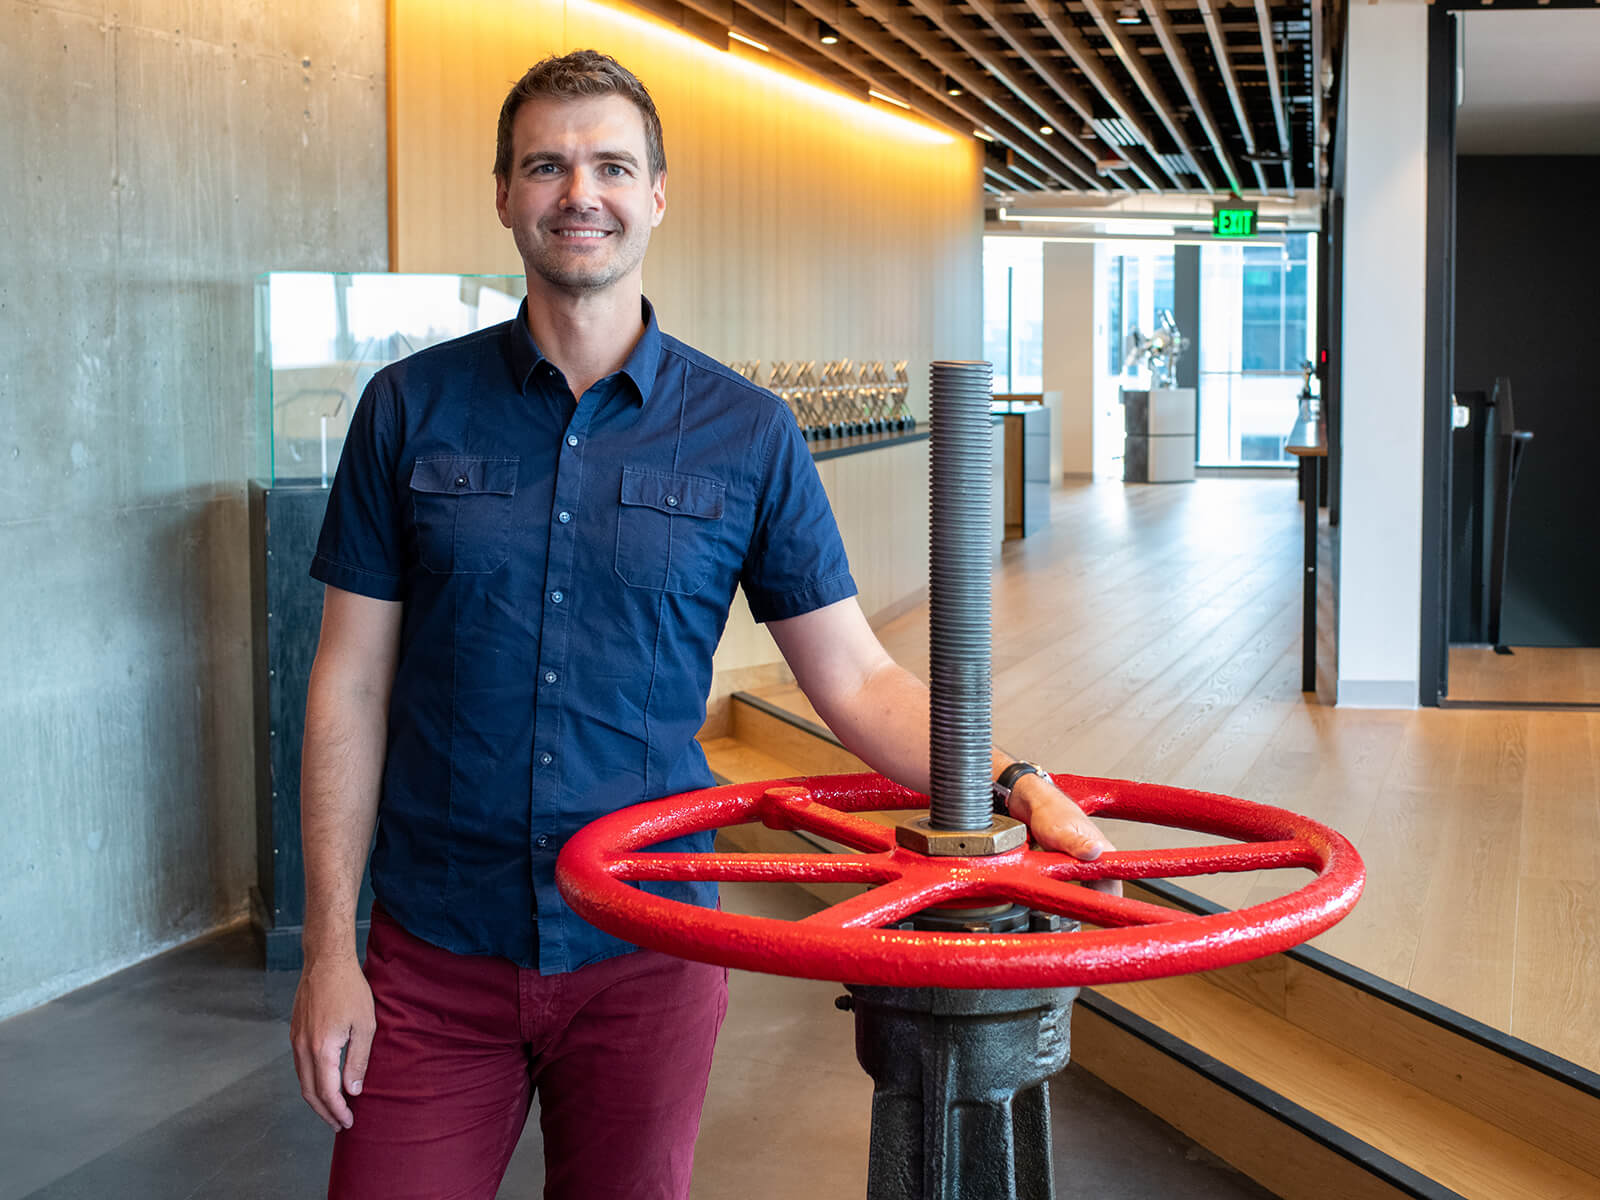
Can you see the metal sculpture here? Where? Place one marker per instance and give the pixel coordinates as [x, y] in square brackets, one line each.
[842, 399]
[1160, 351]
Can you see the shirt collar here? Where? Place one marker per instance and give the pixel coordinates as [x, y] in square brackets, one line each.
[523, 353]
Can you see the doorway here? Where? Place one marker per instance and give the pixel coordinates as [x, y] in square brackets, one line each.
[1518, 618]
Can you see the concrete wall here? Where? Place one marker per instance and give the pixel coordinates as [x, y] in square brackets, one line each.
[1380, 574]
[1069, 348]
[158, 154]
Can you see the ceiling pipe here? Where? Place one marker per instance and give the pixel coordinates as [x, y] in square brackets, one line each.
[1191, 88]
[1088, 61]
[1279, 113]
[896, 20]
[1013, 131]
[1022, 40]
[1219, 49]
[1147, 83]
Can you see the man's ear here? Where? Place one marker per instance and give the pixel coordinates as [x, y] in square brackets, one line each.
[658, 194]
[501, 194]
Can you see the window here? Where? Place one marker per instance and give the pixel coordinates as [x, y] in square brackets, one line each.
[1139, 284]
[1013, 312]
[1275, 303]
[1255, 331]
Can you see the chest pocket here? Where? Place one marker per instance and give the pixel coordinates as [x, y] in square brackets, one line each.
[462, 510]
[667, 529]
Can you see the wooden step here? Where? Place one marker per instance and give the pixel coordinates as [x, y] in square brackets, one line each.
[1467, 1154]
[1317, 1079]
[734, 761]
[796, 737]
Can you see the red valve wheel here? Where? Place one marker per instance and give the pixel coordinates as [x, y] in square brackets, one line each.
[847, 942]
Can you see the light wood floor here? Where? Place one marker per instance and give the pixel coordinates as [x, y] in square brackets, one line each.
[1530, 674]
[1152, 632]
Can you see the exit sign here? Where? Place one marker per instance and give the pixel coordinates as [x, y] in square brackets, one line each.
[1233, 220]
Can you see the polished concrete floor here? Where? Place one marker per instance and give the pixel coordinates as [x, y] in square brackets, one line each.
[172, 1080]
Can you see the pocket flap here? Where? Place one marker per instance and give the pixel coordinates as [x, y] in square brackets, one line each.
[673, 494]
[457, 474]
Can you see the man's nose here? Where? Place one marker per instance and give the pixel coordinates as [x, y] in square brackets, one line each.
[581, 193]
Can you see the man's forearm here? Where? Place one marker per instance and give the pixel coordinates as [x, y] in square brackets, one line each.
[340, 773]
[886, 726]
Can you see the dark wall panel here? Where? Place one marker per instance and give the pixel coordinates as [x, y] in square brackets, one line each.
[1527, 287]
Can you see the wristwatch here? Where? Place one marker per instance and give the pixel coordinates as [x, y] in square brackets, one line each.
[1008, 780]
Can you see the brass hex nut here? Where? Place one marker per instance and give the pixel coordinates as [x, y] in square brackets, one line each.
[914, 833]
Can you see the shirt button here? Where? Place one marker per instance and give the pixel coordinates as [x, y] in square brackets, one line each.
[549, 676]
[555, 597]
[542, 840]
[546, 759]
[564, 517]
[672, 502]
[572, 440]
[461, 481]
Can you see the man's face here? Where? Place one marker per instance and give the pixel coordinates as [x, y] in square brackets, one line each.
[579, 201]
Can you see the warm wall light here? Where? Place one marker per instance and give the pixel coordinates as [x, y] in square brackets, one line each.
[951, 87]
[827, 34]
[748, 41]
[877, 95]
[849, 108]
[978, 133]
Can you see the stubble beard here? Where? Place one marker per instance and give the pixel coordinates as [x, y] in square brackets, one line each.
[542, 256]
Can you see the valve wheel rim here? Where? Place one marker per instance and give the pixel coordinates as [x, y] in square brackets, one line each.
[849, 942]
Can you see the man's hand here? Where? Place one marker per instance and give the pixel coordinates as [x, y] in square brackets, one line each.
[1057, 823]
[332, 1012]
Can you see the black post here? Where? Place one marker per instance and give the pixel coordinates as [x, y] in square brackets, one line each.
[961, 1100]
[1310, 488]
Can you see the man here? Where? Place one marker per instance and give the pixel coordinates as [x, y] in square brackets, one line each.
[530, 550]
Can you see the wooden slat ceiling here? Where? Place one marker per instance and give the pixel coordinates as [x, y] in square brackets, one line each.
[1197, 96]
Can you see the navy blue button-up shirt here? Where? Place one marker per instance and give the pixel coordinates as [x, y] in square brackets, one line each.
[566, 571]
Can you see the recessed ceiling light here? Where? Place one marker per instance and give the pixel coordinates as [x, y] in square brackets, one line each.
[827, 34]
[1128, 14]
[1046, 130]
[951, 87]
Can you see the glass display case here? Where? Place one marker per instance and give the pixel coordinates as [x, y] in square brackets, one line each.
[321, 336]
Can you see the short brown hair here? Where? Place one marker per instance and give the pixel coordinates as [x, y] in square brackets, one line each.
[578, 76]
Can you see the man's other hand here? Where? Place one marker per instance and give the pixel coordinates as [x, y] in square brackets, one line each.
[1057, 823]
[332, 1013]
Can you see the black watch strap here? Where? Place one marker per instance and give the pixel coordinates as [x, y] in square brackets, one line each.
[1008, 780]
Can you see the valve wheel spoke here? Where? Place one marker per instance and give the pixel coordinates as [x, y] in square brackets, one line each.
[1183, 861]
[880, 906]
[800, 811]
[1086, 904]
[647, 866]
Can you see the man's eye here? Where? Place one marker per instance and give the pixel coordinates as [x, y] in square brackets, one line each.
[544, 168]
[615, 170]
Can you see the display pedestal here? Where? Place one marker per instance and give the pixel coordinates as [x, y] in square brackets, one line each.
[1160, 427]
[286, 621]
[1027, 473]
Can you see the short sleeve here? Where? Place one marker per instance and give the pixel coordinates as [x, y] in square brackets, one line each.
[359, 549]
[796, 562]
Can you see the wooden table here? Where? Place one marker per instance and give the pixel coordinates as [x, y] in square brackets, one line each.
[1308, 443]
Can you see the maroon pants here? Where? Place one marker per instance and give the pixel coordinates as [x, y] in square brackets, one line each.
[619, 1053]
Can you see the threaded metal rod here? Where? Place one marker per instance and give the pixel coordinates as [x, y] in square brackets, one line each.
[961, 473]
